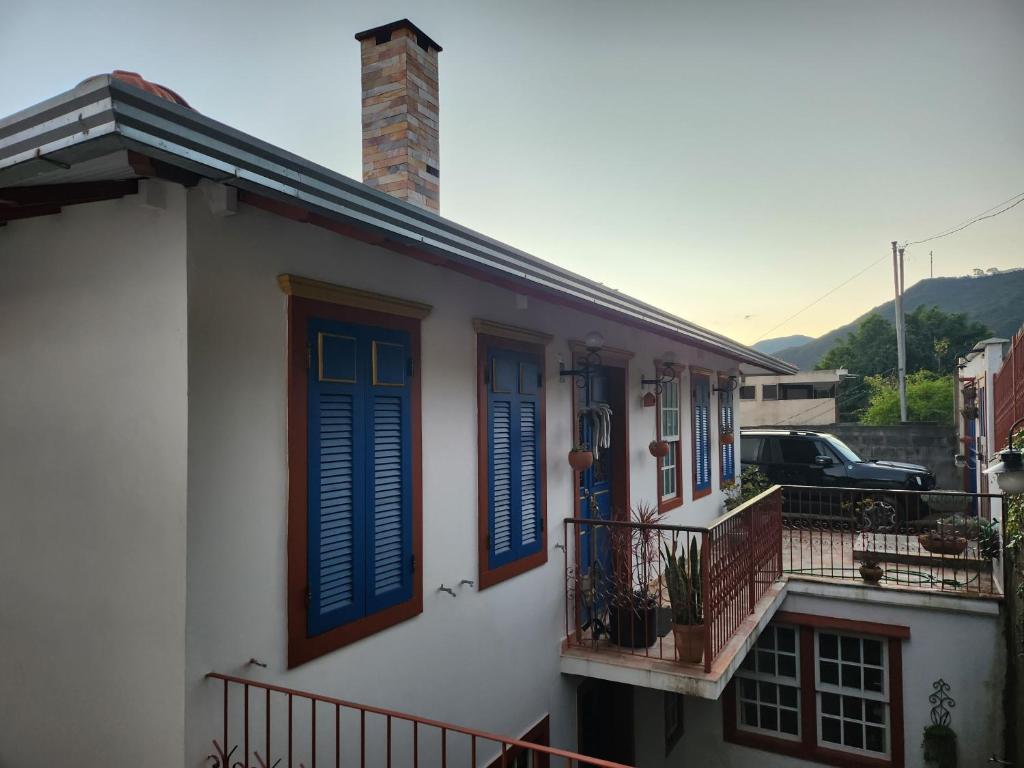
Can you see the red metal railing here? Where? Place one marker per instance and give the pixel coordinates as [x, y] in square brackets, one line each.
[745, 558]
[1009, 391]
[311, 730]
[936, 540]
[617, 599]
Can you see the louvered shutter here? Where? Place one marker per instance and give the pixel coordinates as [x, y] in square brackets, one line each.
[701, 432]
[725, 401]
[359, 512]
[335, 488]
[514, 471]
[389, 502]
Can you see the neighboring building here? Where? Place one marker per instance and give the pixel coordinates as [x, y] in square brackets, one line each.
[272, 423]
[808, 398]
[975, 418]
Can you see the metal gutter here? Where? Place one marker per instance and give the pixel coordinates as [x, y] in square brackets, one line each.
[50, 133]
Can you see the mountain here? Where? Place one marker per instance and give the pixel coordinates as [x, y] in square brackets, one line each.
[995, 300]
[771, 346]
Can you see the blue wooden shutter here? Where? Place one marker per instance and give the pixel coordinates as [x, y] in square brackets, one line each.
[701, 432]
[359, 515]
[728, 424]
[389, 498]
[336, 469]
[514, 471]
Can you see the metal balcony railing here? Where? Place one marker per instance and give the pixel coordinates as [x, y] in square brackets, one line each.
[268, 726]
[938, 540]
[617, 592]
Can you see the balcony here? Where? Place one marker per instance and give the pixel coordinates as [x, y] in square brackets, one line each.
[270, 726]
[619, 609]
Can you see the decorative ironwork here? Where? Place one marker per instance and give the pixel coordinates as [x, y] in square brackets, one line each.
[665, 376]
[942, 702]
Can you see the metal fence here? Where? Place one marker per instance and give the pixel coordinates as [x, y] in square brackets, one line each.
[935, 540]
[268, 726]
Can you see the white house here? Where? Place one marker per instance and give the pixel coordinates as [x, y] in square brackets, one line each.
[265, 421]
[808, 398]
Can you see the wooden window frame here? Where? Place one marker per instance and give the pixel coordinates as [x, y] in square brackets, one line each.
[665, 505]
[699, 493]
[488, 576]
[807, 748]
[539, 734]
[301, 646]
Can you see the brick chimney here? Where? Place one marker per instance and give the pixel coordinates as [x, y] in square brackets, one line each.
[400, 141]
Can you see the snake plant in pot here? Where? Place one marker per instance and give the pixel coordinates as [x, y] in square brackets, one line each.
[682, 575]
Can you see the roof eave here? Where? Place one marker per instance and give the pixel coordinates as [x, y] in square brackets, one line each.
[67, 125]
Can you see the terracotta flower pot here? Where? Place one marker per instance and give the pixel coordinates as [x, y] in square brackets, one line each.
[871, 573]
[581, 460]
[689, 642]
[658, 448]
[727, 438]
[942, 545]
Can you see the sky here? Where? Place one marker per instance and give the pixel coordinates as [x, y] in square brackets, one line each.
[728, 161]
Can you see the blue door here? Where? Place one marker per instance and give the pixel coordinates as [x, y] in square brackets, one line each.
[595, 488]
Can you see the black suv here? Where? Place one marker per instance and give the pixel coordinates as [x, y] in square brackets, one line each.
[817, 458]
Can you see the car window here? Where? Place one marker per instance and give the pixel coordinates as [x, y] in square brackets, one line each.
[846, 453]
[798, 450]
[750, 449]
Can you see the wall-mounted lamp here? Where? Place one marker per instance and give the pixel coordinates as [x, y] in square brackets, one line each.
[666, 375]
[959, 461]
[1009, 472]
[593, 342]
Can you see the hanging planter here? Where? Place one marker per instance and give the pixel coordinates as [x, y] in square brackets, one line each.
[658, 448]
[726, 438]
[969, 412]
[581, 459]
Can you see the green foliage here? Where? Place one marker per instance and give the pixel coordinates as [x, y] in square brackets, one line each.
[682, 575]
[934, 341]
[752, 483]
[929, 398]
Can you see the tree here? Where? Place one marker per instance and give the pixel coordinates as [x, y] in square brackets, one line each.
[929, 398]
[934, 341]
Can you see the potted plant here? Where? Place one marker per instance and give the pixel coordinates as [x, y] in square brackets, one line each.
[950, 536]
[635, 591]
[939, 746]
[658, 448]
[871, 571]
[726, 437]
[682, 575]
[969, 412]
[581, 458]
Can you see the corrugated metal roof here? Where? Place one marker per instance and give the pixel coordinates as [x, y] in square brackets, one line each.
[65, 130]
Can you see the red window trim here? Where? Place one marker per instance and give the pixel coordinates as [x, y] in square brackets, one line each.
[665, 505]
[695, 374]
[488, 577]
[539, 734]
[807, 748]
[301, 647]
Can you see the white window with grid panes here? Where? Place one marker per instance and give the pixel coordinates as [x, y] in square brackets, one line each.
[852, 693]
[668, 415]
[768, 685]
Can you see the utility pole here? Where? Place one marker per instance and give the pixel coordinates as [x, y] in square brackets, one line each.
[901, 340]
[931, 264]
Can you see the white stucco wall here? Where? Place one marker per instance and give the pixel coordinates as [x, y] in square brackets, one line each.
[93, 486]
[486, 659]
[957, 639]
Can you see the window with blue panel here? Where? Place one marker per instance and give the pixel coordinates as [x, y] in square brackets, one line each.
[726, 426]
[513, 379]
[360, 475]
[701, 433]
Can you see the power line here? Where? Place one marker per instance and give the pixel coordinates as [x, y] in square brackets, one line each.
[980, 217]
[821, 298]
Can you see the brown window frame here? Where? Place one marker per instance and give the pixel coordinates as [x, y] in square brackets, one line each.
[807, 747]
[487, 576]
[665, 505]
[301, 646]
